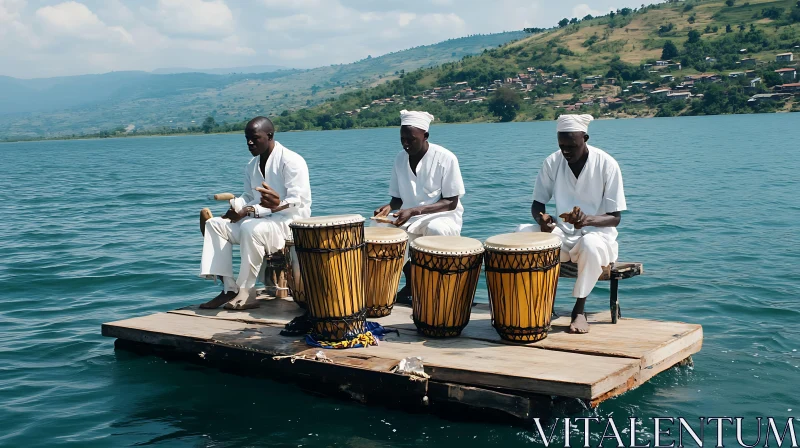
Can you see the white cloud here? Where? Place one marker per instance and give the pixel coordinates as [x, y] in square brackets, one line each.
[582, 10]
[10, 10]
[60, 37]
[196, 18]
[77, 20]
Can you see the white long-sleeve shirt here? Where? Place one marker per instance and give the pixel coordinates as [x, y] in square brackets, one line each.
[438, 176]
[285, 172]
[597, 190]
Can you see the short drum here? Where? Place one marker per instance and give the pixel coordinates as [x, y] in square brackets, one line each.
[522, 275]
[386, 249]
[330, 252]
[444, 277]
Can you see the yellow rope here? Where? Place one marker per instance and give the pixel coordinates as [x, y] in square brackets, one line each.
[366, 339]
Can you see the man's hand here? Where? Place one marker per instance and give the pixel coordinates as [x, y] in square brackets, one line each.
[235, 216]
[403, 216]
[546, 222]
[382, 211]
[269, 197]
[577, 218]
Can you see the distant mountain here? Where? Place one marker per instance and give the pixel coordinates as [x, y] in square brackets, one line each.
[92, 103]
[220, 71]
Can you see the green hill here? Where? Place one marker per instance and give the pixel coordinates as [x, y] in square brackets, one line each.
[52, 107]
[722, 54]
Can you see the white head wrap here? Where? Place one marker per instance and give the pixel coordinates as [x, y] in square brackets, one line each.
[574, 123]
[421, 120]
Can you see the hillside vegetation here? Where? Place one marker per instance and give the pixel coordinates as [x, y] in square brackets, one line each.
[104, 104]
[677, 58]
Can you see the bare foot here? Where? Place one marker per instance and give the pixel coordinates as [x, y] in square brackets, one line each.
[579, 325]
[245, 300]
[216, 302]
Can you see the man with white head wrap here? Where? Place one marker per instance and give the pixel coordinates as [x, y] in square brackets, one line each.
[425, 187]
[586, 184]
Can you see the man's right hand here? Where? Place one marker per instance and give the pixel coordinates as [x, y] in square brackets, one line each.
[546, 222]
[383, 211]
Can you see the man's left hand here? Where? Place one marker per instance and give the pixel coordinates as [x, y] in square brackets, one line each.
[403, 216]
[269, 197]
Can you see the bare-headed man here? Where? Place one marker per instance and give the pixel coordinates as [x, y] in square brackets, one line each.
[276, 192]
[425, 187]
[586, 184]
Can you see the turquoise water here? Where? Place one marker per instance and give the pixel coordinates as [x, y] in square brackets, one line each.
[107, 229]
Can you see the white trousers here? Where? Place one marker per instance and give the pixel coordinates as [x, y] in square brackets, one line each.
[256, 236]
[443, 226]
[590, 252]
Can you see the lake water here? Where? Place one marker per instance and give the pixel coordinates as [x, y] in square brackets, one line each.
[107, 229]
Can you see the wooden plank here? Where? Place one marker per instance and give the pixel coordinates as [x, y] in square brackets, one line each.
[516, 405]
[458, 360]
[651, 341]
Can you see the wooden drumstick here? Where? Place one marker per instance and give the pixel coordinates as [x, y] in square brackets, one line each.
[223, 196]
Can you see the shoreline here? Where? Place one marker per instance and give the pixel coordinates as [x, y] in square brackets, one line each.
[195, 134]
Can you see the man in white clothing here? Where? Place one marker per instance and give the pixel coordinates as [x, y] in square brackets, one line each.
[425, 187]
[276, 192]
[586, 184]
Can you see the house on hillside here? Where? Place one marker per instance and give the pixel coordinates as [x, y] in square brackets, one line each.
[768, 97]
[679, 95]
[587, 87]
[755, 82]
[674, 66]
[748, 62]
[787, 74]
[735, 74]
[784, 57]
[660, 92]
[667, 78]
[787, 88]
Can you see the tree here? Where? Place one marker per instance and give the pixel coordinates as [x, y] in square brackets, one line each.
[694, 36]
[563, 22]
[691, 19]
[625, 11]
[588, 17]
[670, 51]
[573, 20]
[209, 124]
[728, 28]
[729, 2]
[504, 103]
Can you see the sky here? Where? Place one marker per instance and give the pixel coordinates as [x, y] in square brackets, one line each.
[47, 38]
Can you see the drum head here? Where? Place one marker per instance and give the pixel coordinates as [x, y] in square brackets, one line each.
[523, 241]
[384, 235]
[447, 245]
[326, 221]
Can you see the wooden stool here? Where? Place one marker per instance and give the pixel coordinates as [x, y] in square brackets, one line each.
[613, 273]
[275, 274]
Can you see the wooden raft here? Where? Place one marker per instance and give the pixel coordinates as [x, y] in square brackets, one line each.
[477, 370]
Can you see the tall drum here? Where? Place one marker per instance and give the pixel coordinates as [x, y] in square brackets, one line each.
[293, 279]
[522, 275]
[386, 250]
[444, 276]
[330, 251]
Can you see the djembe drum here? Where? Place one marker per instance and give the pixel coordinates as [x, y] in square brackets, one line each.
[444, 276]
[522, 275]
[386, 249]
[330, 252]
[293, 279]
